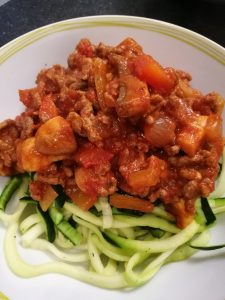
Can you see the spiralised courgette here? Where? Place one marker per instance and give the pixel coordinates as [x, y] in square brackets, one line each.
[28, 200]
[61, 198]
[209, 215]
[70, 232]
[48, 223]
[156, 232]
[140, 243]
[156, 246]
[10, 188]
[64, 226]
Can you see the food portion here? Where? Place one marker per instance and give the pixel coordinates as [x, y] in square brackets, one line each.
[115, 122]
[113, 163]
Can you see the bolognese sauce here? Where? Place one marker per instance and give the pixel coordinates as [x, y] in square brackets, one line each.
[116, 123]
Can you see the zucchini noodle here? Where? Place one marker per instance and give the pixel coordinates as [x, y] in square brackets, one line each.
[32, 234]
[148, 220]
[111, 267]
[107, 220]
[87, 216]
[156, 246]
[148, 272]
[21, 268]
[10, 218]
[44, 245]
[127, 232]
[94, 256]
[29, 222]
[106, 248]
[114, 251]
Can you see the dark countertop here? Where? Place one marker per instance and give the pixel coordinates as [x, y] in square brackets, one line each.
[203, 16]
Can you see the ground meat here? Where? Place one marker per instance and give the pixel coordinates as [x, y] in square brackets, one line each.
[8, 137]
[156, 103]
[31, 98]
[82, 67]
[25, 123]
[206, 186]
[172, 150]
[183, 75]
[191, 189]
[112, 92]
[190, 174]
[37, 189]
[215, 102]
[103, 183]
[51, 80]
[211, 103]
[52, 175]
[131, 160]
[179, 109]
[203, 157]
[76, 122]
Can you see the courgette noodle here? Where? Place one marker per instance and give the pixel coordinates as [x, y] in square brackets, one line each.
[108, 250]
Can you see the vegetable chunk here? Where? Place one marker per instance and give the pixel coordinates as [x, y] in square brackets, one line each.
[55, 137]
[150, 176]
[149, 70]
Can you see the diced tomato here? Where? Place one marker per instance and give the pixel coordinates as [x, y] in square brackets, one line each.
[89, 155]
[149, 70]
[47, 109]
[130, 202]
[92, 183]
[72, 94]
[83, 200]
[150, 176]
[66, 104]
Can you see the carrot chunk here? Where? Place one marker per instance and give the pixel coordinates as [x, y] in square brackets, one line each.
[130, 202]
[83, 200]
[150, 71]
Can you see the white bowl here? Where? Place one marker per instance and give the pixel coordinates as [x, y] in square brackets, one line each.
[202, 276]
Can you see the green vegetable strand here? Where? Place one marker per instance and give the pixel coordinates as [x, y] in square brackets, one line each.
[209, 215]
[9, 190]
[208, 248]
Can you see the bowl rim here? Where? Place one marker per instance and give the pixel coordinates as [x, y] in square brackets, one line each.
[196, 40]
